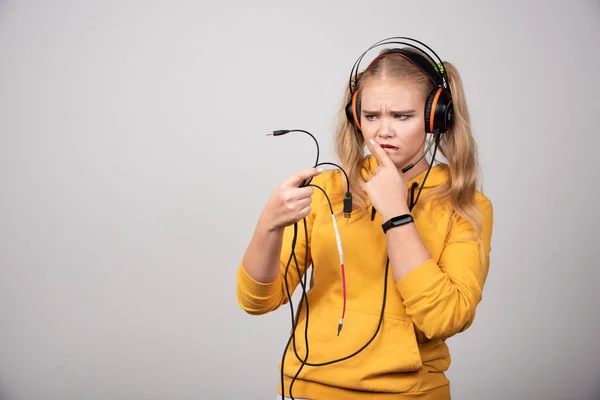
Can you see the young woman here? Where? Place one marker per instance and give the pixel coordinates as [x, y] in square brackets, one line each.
[406, 269]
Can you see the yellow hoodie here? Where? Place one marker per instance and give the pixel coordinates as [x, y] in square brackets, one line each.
[408, 357]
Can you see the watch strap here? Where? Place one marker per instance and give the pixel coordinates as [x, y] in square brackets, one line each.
[397, 221]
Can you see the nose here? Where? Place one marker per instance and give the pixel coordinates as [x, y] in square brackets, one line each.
[386, 130]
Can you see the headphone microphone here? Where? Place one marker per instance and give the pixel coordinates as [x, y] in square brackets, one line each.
[410, 166]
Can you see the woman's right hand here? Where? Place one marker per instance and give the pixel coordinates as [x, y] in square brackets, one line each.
[289, 202]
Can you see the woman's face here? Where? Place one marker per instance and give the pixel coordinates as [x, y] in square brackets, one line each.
[392, 114]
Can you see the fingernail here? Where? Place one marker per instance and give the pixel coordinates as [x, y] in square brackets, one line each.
[320, 169]
[372, 141]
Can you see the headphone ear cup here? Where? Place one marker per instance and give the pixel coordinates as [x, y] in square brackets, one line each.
[439, 111]
[429, 117]
[349, 109]
[349, 113]
[358, 111]
[449, 114]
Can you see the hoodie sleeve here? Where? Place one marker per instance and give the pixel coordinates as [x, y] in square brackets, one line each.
[260, 298]
[441, 297]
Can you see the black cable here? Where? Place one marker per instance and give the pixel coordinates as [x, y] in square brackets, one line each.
[285, 273]
[348, 196]
[341, 169]
[286, 131]
[384, 301]
[436, 139]
[411, 165]
[327, 197]
[303, 282]
[304, 298]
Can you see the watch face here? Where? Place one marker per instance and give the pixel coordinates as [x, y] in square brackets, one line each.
[397, 221]
[401, 220]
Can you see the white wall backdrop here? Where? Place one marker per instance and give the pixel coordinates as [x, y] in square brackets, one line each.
[134, 163]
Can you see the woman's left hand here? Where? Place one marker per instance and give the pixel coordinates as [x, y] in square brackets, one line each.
[386, 189]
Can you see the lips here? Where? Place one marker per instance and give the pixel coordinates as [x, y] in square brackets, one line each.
[388, 146]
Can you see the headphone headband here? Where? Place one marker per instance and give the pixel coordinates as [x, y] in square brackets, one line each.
[417, 60]
[435, 70]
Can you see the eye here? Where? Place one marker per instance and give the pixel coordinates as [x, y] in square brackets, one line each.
[370, 117]
[402, 116]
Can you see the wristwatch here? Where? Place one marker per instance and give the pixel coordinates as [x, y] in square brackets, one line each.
[397, 221]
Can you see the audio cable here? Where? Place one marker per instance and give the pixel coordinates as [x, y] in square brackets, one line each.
[304, 299]
[348, 195]
[347, 210]
[303, 277]
[347, 213]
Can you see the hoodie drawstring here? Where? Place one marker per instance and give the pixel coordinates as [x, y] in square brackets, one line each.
[414, 186]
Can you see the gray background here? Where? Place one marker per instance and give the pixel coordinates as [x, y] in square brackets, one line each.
[132, 132]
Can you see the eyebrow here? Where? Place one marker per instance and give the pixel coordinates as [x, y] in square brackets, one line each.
[393, 112]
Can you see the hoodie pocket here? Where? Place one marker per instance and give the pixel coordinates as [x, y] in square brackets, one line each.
[391, 362]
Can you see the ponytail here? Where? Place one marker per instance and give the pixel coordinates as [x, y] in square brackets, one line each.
[459, 149]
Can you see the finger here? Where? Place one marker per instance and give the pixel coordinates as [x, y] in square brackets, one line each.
[297, 205]
[379, 153]
[378, 168]
[304, 212]
[301, 176]
[305, 192]
[303, 203]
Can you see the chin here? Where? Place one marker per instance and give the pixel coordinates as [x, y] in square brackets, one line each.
[400, 161]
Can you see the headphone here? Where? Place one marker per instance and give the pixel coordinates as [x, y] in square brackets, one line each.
[438, 106]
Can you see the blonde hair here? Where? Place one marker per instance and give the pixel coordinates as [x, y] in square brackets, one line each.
[457, 145]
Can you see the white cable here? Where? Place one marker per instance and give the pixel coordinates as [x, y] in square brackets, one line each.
[338, 239]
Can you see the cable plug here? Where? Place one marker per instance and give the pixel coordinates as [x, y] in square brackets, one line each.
[340, 326]
[347, 205]
[279, 132]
